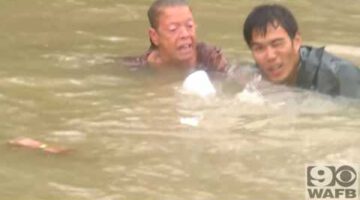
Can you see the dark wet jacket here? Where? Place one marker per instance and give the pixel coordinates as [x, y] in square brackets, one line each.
[323, 72]
[209, 58]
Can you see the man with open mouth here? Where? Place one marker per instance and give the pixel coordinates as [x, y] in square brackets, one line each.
[272, 34]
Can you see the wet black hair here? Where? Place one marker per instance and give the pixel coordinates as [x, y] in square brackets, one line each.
[155, 9]
[263, 15]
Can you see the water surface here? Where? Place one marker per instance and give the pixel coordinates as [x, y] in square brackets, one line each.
[59, 84]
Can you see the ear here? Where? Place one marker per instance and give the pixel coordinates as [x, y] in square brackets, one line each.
[154, 37]
[297, 41]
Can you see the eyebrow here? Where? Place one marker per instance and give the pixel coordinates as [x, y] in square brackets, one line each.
[270, 42]
[277, 40]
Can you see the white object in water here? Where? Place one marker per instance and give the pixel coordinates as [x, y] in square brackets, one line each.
[190, 121]
[251, 95]
[199, 83]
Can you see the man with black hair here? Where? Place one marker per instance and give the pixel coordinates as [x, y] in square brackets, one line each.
[272, 34]
[172, 35]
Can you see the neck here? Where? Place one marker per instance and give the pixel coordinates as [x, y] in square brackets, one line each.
[291, 81]
[160, 61]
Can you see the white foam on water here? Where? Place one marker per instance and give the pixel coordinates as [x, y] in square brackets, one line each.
[251, 94]
[190, 121]
[71, 135]
[114, 38]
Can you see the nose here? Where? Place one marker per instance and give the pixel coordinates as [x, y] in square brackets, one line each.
[270, 53]
[184, 32]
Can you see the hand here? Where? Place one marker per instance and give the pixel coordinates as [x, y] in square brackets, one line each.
[218, 60]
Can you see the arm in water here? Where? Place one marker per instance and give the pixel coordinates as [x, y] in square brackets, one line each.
[349, 79]
[37, 145]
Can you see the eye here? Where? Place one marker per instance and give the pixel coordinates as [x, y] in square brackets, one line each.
[190, 24]
[172, 28]
[258, 48]
[277, 43]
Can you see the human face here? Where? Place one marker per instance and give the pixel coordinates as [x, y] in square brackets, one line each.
[276, 54]
[175, 36]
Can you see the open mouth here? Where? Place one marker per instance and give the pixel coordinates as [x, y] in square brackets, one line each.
[185, 48]
[276, 70]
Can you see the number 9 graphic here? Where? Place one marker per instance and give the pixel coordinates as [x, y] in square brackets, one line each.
[321, 176]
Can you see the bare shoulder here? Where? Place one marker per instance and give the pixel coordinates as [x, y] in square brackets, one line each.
[135, 62]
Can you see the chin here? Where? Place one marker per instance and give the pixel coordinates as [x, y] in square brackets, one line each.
[277, 80]
[187, 59]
